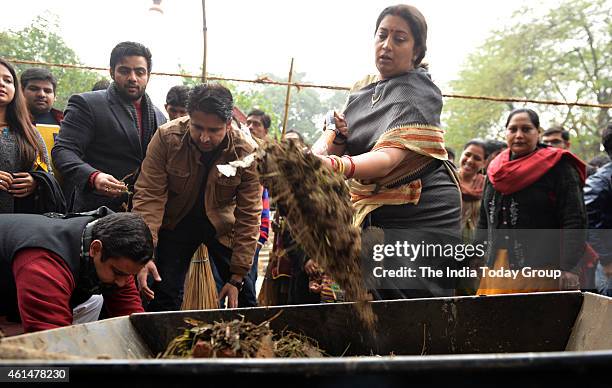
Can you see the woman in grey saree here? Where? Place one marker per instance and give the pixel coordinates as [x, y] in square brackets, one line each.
[404, 190]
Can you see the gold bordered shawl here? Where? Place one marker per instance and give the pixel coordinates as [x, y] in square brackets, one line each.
[425, 143]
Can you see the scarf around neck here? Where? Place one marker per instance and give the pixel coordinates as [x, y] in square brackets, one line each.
[149, 121]
[472, 191]
[509, 176]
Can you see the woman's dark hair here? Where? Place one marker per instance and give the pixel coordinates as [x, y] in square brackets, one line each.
[478, 143]
[19, 120]
[451, 153]
[211, 98]
[124, 235]
[418, 26]
[299, 135]
[533, 117]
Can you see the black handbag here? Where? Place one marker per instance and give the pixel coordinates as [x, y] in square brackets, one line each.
[47, 198]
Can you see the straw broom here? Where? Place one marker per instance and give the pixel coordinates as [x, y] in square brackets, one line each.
[200, 288]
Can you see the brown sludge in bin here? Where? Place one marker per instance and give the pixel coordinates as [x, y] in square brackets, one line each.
[237, 339]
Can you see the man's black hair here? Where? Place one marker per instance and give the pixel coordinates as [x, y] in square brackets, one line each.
[599, 161]
[211, 98]
[565, 135]
[37, 74]
[265, 119]
[124, 235]
[177, 96]
[492, 146]
[102, 84]
[129, 49]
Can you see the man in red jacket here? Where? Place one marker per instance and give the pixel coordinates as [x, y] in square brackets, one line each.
[50, 265]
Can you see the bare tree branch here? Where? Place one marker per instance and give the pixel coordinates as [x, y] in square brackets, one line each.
[591, 41]
[585, 66]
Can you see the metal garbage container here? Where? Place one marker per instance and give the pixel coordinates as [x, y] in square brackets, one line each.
[562, 338]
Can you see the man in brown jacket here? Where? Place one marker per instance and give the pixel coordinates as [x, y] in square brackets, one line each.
[186, 201]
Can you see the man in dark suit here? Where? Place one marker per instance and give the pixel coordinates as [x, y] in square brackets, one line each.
[104, 136]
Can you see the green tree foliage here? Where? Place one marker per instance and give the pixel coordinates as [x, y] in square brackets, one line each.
[41, 42]
[252, 97]
[565, 55]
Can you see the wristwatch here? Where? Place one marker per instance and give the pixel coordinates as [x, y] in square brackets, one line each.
[236, 284]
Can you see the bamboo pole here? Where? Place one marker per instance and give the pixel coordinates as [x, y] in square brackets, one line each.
[204, 33]
[287, 99]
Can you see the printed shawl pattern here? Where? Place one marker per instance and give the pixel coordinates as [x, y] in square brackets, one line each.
[402, 112]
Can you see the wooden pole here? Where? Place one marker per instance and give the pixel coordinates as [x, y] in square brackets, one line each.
[204, 31]
[287, 99]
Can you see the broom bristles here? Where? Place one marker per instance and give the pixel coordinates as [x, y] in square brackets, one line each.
[200, 287]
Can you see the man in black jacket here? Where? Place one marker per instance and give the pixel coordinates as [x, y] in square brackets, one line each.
[104, 136]
[598, 200]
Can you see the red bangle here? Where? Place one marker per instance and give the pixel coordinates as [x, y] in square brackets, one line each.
[332, 162]
[92, 179]
[352, 170]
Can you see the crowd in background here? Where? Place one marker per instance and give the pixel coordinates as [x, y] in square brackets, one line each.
[113, 147]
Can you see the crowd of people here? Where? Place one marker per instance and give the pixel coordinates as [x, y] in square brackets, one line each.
[129, 197]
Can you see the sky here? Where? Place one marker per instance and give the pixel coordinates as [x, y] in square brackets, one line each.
[330, 40]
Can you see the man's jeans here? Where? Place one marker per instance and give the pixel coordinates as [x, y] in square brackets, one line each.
[249, 290]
